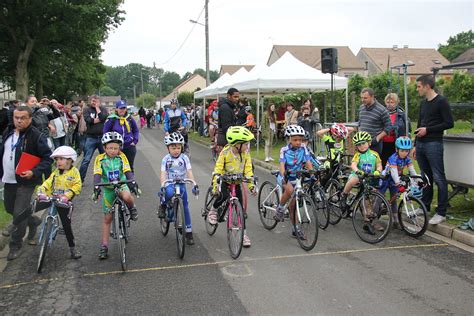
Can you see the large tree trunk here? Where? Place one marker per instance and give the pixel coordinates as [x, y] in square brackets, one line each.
[22, 78]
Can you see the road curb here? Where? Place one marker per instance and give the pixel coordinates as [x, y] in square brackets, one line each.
[446, 230]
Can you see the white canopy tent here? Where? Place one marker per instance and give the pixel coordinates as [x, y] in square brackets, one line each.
[213, 87]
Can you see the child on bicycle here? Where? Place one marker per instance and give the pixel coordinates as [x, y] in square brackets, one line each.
[233, 159]
[396, 164]
[250, 120]
[64, 183]
[293, 157]
[176, 166]
[365, 161]
[333, 139]
[112, 166]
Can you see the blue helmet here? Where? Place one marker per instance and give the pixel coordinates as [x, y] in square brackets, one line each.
[416, 191]
[403, 143]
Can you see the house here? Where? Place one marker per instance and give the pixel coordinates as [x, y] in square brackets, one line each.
[231, 69]
[348, 63]
[467, 56]
[379, 60]
[189, 85]
[109, 101]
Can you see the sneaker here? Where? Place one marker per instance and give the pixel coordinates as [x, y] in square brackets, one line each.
[133, 213]
[74, 253]
[369, 229]
[9, 230]
[279, 214]
[189, 238]
[103, 252]
[212, 216]
[267, 159]
[161, 211]
[271, 159]
[437, 219]
[298, 234]
[13, 254]
[247, 242]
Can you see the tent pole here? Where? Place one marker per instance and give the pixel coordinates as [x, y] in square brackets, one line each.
[258, 119]
[405, 70]
[347, 104]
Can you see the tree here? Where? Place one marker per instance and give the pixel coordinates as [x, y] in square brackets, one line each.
[38, 34]
[456, 45]
[185, 98]
[107, 91]
[147, 100]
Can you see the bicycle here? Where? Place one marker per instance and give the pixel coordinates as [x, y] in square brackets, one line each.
[175, 213]
[49, 228]
[371, 212]
[313, 187]
[230, 211]
[121, 218]
[306, 218]
[412, 212]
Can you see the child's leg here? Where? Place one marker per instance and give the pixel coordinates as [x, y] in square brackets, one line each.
[106, 229]
[287, 191]
[350, 184]
[187, 216]
[292, 208]
[63, 214]
[127, 197]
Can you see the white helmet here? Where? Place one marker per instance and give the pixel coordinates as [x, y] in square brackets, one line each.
[64, 152]
[294, 130]
[174, 138]
[110, 137]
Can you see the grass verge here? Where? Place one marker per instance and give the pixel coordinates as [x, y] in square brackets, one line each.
[5, 218]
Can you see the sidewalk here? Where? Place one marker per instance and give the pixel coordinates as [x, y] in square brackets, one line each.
[446, 230]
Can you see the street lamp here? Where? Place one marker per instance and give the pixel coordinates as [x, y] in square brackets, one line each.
[208, 81]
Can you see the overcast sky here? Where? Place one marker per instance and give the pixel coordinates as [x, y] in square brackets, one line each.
[243, 31]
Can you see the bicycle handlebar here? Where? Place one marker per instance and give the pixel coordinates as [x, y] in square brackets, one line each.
[114, 183]
[176, 181]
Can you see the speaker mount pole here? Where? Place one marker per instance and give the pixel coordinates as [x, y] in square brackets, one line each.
[333, 113]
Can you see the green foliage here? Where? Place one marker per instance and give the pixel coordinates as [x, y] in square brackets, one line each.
[185, 98]
[357, 83]
[107, 91]
[457, 45]
[147, 100]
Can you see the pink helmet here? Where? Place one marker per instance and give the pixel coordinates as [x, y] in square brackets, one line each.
[339, 130]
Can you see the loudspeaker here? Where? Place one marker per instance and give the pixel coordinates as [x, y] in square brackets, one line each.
[329, 60]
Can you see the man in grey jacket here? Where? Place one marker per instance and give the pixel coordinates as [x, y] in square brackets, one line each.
[95, 116]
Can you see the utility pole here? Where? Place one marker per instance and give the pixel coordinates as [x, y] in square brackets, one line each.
[141, 77]
[208, 81]
[134, 95]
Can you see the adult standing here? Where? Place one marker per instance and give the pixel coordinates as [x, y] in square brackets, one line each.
[226, 117]
[307, 122]
[291, 115]
[124, 124]
[72, 121]
[240, 115]
[373, 119]
[23, 137]
[80, 130]
[4, 118]
[397, 117]
[43, 114]
[435, 117]
[269, 130]
[60, 124]
[94, 116]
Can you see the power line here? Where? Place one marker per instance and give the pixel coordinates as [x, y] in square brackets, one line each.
[184, 42]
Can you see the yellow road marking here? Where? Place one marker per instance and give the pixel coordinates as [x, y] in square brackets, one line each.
[217, 263]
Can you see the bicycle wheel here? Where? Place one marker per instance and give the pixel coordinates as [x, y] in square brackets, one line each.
[164, 223]
[268, 201]
[320, 202]
[179, 226]
[372, 217]
[413, 216]
[235, 229]
[208, 201]
[333, 197]
[120, 237]
[44, 242]
[306, 221]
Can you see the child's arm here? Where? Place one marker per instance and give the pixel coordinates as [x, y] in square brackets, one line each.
[323, 131]
[350, 130]
[47, 186]
[248, 171]
[354, 166]
[76, 187]
[218, 170]
[394, 175]
[282, 169]
[411, 170]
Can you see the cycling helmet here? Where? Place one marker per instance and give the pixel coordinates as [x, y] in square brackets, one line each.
[64, 152]
[294, 130]
[339, 130]
[248, 108]
[403, 143]
[416, 191]
[306, 135]
[361, 137]
[238, 134]
[174, 138]
[112, 137]
[174, 101]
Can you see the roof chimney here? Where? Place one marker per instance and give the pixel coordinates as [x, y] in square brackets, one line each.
[405, 46]
[395, 47]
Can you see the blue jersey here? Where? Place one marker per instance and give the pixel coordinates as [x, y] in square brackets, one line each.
[395, 162]
[294, 159]
[174, 119]
[175, 168]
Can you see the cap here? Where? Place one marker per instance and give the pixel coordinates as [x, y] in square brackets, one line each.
[120, 104]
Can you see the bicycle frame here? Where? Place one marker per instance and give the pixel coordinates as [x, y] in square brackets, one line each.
[53, 214]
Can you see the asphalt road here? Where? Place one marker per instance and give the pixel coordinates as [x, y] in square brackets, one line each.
[342, 275]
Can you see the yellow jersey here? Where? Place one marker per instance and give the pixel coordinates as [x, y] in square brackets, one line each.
[230, 163]
[67, 183]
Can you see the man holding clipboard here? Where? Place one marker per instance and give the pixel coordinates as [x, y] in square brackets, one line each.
[25, 158]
